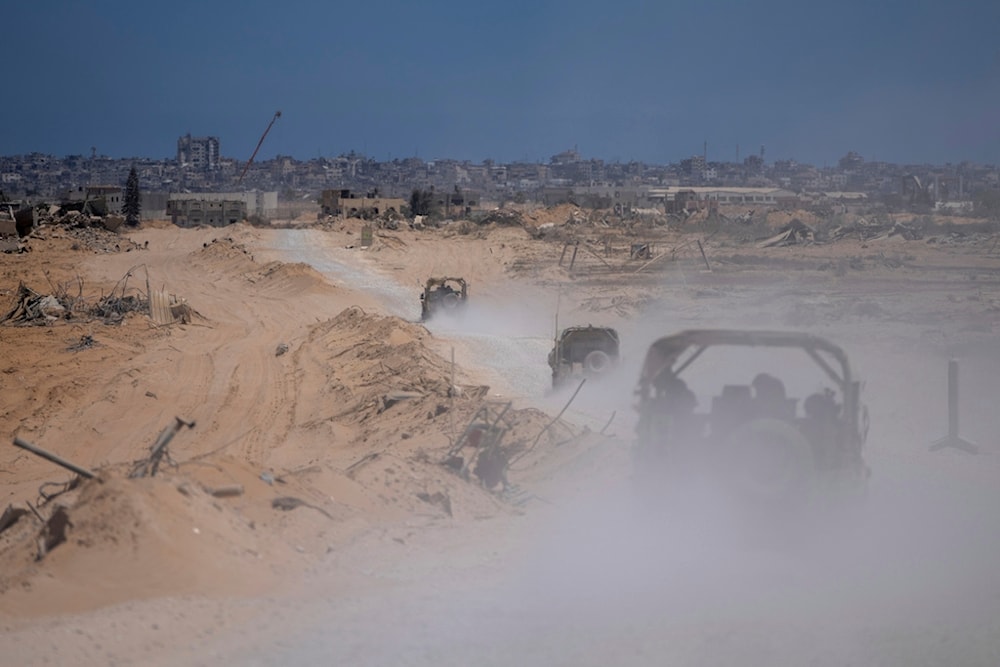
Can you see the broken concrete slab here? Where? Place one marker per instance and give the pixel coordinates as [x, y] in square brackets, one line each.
[795, 232]
[11, 245]
[112, 222]
[393, 397]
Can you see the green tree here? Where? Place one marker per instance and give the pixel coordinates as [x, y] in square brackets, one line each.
[422, 202]
[987, 203]
[130, 205]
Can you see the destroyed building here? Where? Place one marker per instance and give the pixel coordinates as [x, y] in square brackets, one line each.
[101, 199]
[198, 152]
[214, 213]
[190, 209]
[345, 202]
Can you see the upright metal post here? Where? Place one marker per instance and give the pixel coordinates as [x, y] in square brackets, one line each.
[953, 439]
[952, 398]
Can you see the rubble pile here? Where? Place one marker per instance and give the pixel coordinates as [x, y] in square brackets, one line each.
[864, 230]
[63, 216]
[794, 233]
[94, 239]
[376, 356]
[98, 233]
[12, 245]
[502, 216]
[33, 308]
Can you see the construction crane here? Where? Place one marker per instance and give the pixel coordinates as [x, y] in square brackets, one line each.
[277, 115]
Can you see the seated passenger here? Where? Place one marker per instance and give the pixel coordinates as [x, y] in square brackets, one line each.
[676, 398]
[769, 397]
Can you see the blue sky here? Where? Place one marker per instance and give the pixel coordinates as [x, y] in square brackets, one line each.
[902, 81]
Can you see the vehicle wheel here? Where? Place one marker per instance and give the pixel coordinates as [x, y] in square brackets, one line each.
[771, 463]
[597, 361]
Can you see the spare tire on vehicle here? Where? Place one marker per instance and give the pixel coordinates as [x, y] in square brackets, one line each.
[770, 462]
[597, 361]
[450, 301]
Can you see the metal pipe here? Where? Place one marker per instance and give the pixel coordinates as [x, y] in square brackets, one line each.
[49, 456]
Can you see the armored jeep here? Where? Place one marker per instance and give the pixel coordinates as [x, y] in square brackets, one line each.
[443, 295]
[750, 442]
[583, 352]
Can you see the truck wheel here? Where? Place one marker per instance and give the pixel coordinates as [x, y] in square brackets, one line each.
[597, 361]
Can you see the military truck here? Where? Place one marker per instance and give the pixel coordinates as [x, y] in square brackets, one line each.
[448, 295]
[750, 443]
[583, 351]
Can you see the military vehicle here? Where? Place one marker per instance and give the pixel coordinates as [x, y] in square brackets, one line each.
[583, 351]
[750, 442]
[446, 294]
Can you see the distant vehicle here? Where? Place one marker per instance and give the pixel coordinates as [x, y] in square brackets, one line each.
[752, 443]
[443, 295]
[583, 352]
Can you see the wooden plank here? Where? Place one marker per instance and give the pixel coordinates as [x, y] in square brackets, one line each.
[159, 307]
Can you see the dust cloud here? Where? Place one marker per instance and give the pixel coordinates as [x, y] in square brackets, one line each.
[597, 576]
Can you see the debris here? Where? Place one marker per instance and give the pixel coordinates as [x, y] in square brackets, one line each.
[8, 225]
[641, 251]
[367, 458]
[10, 516]
[793, 233]
[53, 532]
[572, 260]
[165, 308]
[502, 216]
[281, 349]
[11, 246]
[61, 488]
[158, 451]
[288, 503]
[112, 222]
[652, 261]
[49, 456]
[32, 308]
[553, 421]
[231, 491]
[393, 397]
[610, 419]
[701, 249]
[267, 477]
[182, 312]
[86, 341]
[113, 307]
[484, 434]
[438, 499]
[50, 307]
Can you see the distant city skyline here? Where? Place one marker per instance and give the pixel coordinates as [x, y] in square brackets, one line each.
[906, 82]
